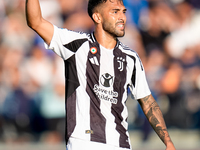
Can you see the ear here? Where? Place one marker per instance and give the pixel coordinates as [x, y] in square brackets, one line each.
[97, 17]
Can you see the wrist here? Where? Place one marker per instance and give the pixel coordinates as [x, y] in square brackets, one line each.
[170, 144]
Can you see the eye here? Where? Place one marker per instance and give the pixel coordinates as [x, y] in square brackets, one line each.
[125, 10]
[115, 11]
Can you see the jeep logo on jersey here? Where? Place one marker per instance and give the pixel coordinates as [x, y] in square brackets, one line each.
[106, 80]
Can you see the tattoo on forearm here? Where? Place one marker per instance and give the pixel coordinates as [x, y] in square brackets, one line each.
[155, 117]
[160, 132]
[154, 121]
[152, 117]
[146, 98]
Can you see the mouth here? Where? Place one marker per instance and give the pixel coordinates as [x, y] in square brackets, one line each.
[121, 26]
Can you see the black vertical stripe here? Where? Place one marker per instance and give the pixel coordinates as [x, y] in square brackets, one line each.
[70, 106]
[71, 84]
[71, 77]
[119, 83]
[97, 120]
[133, 78]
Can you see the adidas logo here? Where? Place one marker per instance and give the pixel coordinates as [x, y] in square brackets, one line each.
[94, 61]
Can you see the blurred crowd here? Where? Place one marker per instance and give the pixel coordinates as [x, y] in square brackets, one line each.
[165, 34]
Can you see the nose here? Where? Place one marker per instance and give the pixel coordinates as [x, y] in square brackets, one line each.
[122, 16]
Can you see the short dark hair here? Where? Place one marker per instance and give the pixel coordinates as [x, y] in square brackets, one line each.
[92, 4]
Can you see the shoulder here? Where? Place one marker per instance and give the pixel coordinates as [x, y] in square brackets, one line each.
[70, 33]
[130, 53]
[125, 49]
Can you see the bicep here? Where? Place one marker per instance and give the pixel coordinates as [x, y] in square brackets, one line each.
[45, 30]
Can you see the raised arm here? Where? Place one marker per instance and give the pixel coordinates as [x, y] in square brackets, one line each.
[155, 118]
[37, 22]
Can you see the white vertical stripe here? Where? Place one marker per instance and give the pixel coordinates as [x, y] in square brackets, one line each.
[96, 61]
[129, 69]
[112, 136]
[125, 111]
[83, 100]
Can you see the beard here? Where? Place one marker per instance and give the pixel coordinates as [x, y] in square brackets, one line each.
[112, 29]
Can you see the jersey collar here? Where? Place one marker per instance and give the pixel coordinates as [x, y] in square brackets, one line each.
[94, 40]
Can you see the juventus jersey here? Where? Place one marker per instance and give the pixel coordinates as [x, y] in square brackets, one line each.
[97, 80]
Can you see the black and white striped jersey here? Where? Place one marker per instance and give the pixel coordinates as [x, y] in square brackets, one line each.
[97, 80]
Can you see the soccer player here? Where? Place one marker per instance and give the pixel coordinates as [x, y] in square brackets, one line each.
[99, 69]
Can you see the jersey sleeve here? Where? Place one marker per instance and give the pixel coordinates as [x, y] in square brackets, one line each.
[61, 38]
[141, 88]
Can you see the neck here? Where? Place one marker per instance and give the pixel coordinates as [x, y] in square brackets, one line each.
[105, 39]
